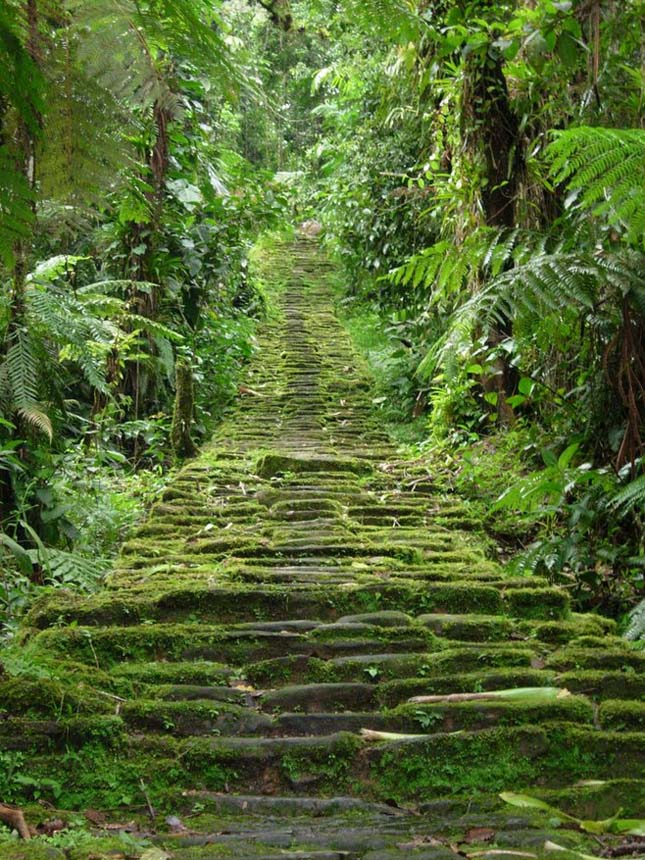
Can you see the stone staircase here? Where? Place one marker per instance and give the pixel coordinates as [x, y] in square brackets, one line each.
[297, 591]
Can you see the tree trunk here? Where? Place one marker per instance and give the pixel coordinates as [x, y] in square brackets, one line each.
[182, 418]
[25, 145]
[145, 302]
[490, 132]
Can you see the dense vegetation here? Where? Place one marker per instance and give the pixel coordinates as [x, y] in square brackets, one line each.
[478, 169]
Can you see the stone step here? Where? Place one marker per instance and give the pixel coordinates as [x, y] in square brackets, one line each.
[241, 602]
[416, 769]
[297, 587]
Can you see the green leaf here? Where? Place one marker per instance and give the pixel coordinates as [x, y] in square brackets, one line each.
[567, 455]
[19, 553]
[630, 826]
[524, 801]
[568, 49]
[549, 457]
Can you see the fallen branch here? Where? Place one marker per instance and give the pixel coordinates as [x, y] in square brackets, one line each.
[526, 694]
[15, 818]
[371, 735]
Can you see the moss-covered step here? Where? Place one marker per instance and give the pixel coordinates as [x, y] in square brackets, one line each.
[231, 602]
[107, 645]
[419, 768]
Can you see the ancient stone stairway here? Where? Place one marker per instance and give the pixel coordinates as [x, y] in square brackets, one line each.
[293, 594]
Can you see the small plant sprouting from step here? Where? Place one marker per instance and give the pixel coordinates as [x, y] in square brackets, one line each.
[615, 824]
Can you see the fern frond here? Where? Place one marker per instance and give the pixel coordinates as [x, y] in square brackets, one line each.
[21, 82]
[636, 628]
[68, 568]
[607, 167]
[38, 419]
[23, 381]
[22, 370]
[631, 497]
[84, 150]
[154, 328]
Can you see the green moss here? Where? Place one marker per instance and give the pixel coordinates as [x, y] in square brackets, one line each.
[605, 684]
[12, 849]
[595, 658]
[501, 759]
[49, 698]
[271, 465]
[619, 715]
[599, 800]
[563, 631]
[538, 603]
[481, 714]
[470, 628]
[331, 770]
[490, 761]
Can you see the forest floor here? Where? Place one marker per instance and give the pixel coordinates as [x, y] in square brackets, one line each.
[296, 655]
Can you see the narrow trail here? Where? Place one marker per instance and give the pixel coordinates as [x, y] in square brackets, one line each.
[297, 585]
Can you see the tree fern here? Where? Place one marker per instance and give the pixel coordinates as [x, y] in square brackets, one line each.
[21, 83]
[16, 198]
[607, 167]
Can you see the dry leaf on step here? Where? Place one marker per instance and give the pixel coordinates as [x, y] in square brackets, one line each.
[155, 854]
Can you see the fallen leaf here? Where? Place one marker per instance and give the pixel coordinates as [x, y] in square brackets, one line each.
[499, 852]
[155, 854]
[48, 828]
[553, 846]
[418, 841]
[129, 827]
[94, 816]
[479, 834]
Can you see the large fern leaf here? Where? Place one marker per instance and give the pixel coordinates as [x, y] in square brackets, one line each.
[632, 496]
[607, 167]
[636, 627]
[22, 374]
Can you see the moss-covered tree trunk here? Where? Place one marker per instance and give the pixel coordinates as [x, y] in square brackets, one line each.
[182, 419]
[490, 135]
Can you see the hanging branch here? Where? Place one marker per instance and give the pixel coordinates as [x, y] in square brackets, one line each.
[280, 12]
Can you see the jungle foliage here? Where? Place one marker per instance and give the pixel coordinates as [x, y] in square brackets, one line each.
[479, 172]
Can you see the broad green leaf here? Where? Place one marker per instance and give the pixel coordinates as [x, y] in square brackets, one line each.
[524, 801]
[19, 553]
[567, 455]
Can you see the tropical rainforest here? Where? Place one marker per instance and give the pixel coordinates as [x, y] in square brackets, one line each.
[477, 169]
[473, 175]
